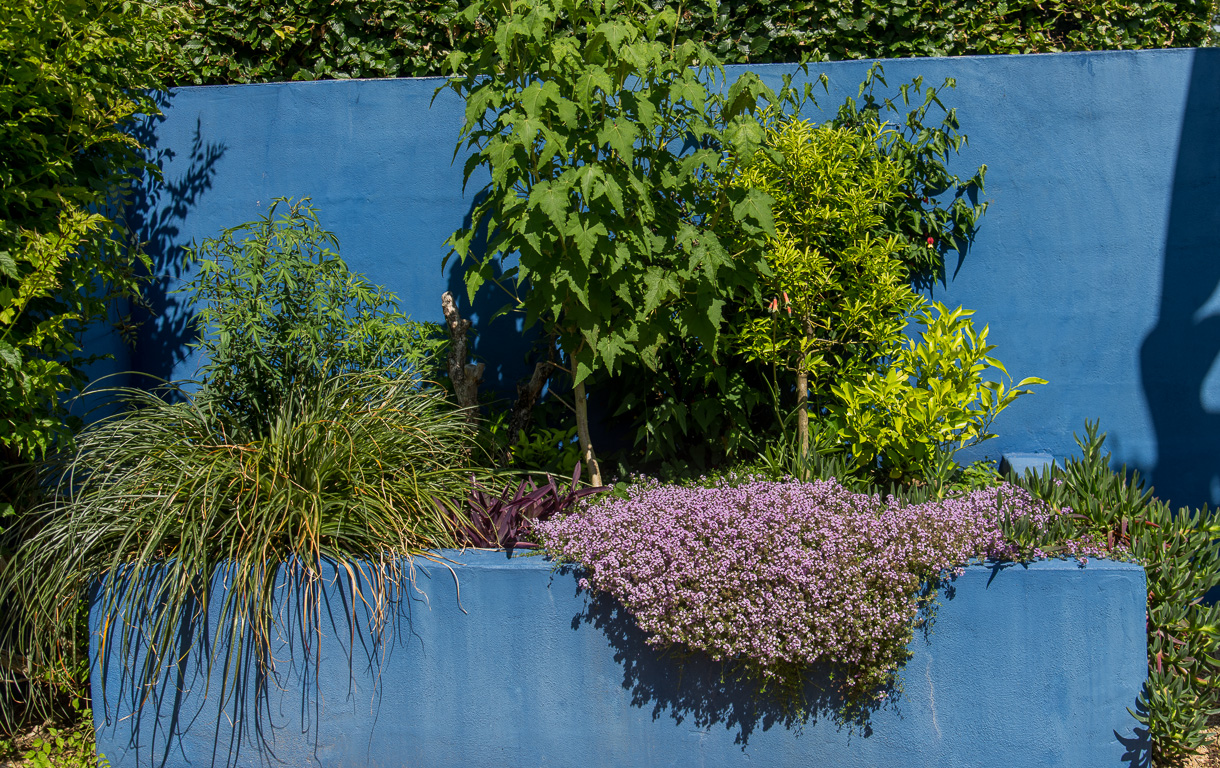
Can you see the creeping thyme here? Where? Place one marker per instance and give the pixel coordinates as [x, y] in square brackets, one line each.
[780, 575]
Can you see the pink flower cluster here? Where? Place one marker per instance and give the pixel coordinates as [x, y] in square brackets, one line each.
[782, 574]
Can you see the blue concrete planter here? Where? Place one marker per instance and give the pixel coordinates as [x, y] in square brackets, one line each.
[1024, 667]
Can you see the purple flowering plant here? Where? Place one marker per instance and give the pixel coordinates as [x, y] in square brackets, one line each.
[778, 575]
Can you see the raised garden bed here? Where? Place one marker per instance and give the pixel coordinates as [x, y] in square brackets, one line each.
[1023, 666]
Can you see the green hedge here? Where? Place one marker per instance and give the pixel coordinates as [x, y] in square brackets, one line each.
[238, 41]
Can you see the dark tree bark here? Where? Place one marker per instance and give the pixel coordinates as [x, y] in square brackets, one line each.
[527, 395]
[465, 376]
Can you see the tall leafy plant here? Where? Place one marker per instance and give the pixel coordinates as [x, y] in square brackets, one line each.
[852, 206]
[838, 294]
[604, 144]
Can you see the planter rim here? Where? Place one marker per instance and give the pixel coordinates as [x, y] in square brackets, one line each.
[531, 560]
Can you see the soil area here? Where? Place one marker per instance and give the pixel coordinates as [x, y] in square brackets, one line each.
[1211, 757]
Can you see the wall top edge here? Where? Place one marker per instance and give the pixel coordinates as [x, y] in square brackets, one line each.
[779, 67]
[523, 560]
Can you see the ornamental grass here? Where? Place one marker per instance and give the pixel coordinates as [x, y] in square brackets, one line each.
[361, 469]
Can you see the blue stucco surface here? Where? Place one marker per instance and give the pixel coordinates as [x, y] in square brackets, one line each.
[1096, 266]
[1023, 667]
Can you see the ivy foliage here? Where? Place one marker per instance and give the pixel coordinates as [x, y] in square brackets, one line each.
[70, 78]
[248, 42]
[227, 41]
[787, 30]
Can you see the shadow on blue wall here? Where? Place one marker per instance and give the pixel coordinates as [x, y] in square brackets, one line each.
[1177, 355]
[710, 694]
[159, 208]
[499, 344]
[529, 663]
[250, 713]
[1138, 749]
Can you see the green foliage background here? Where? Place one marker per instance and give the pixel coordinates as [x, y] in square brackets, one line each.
[70, 74]
[227, 41]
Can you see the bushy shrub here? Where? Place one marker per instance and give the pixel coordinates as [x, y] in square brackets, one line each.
[72, 76]
[299, 446]
[693, 413]
[905, 420]
[862, 212]
[549, 445]
[779, 575]
[936, 211]
[280, 311]
[837, 291]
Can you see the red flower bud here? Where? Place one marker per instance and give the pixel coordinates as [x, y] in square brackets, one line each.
[930, 241]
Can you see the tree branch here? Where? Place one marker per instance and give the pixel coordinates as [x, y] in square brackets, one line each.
[465, 377]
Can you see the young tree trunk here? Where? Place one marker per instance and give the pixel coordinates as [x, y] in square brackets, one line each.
[465, 377]
[802, 418]
[802, 405]
[582, 431]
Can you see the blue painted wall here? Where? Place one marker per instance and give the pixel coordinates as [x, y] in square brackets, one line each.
[1024, 668]
[1096, 266]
